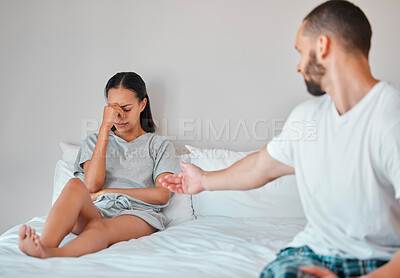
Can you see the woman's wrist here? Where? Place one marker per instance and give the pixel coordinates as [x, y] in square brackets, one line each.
[106, 127]
[102, 138]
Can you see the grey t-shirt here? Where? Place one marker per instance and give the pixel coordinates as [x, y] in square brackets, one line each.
[131, 165]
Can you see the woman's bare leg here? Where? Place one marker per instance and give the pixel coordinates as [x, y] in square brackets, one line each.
[99, 234]
[73, 204]
[71, 212]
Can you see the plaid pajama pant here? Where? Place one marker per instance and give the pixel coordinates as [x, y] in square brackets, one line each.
[288, 262]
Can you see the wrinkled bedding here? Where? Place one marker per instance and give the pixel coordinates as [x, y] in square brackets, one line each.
[207, 247]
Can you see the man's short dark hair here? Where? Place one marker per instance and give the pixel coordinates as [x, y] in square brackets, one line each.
[343, 20]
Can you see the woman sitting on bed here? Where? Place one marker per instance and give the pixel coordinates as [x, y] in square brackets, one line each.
[116, 195]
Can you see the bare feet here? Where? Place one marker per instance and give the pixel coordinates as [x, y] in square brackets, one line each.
[30, 244]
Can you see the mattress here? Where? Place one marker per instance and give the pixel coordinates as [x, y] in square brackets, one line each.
[207, 247]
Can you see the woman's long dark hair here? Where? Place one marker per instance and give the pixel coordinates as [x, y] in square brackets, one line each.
[132, 81]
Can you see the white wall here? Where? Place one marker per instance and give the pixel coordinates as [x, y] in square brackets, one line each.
[202, 60]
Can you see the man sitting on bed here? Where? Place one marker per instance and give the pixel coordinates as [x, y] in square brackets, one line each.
[348, 170]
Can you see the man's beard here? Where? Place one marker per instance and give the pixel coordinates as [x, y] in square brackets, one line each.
[314, 88]
[314, 69]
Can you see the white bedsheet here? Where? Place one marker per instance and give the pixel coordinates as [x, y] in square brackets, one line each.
[209, 247]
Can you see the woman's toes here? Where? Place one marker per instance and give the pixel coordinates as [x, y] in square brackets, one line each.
[22, 232]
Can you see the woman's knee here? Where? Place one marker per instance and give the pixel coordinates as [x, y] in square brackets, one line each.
[77, 185]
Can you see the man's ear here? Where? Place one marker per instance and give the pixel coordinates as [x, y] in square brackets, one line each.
[143, 104]
[323, 46]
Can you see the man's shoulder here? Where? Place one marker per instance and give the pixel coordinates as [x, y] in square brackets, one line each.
[390, 94]
[387, 107]
[311, 107]
[388, 86]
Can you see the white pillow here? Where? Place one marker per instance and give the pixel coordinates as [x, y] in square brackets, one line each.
[69, 152]
[63, 173]
[279, 198]
[178, 211]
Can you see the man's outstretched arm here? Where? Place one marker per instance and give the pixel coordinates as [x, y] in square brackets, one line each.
[251, 172]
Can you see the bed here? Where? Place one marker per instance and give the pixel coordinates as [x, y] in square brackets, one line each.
[211, 234]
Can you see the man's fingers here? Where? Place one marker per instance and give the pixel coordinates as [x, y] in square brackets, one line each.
[313, 270]
[184, 165]
[166, 177]
[169, 185]
[173, 189]
[171, 179]
[174, 180]
[172, 185]
[317, 271]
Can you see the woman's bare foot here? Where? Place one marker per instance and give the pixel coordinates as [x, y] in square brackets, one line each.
[30, 244]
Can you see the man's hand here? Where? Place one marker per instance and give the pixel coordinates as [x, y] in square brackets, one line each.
[318, 272]
[189, 182]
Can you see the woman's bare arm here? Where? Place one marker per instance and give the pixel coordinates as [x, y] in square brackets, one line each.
[95, 168]
[157, 195]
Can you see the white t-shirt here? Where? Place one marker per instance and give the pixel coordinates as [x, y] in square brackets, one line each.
[348, 173]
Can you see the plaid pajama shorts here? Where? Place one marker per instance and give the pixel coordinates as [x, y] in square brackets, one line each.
[288, 262]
